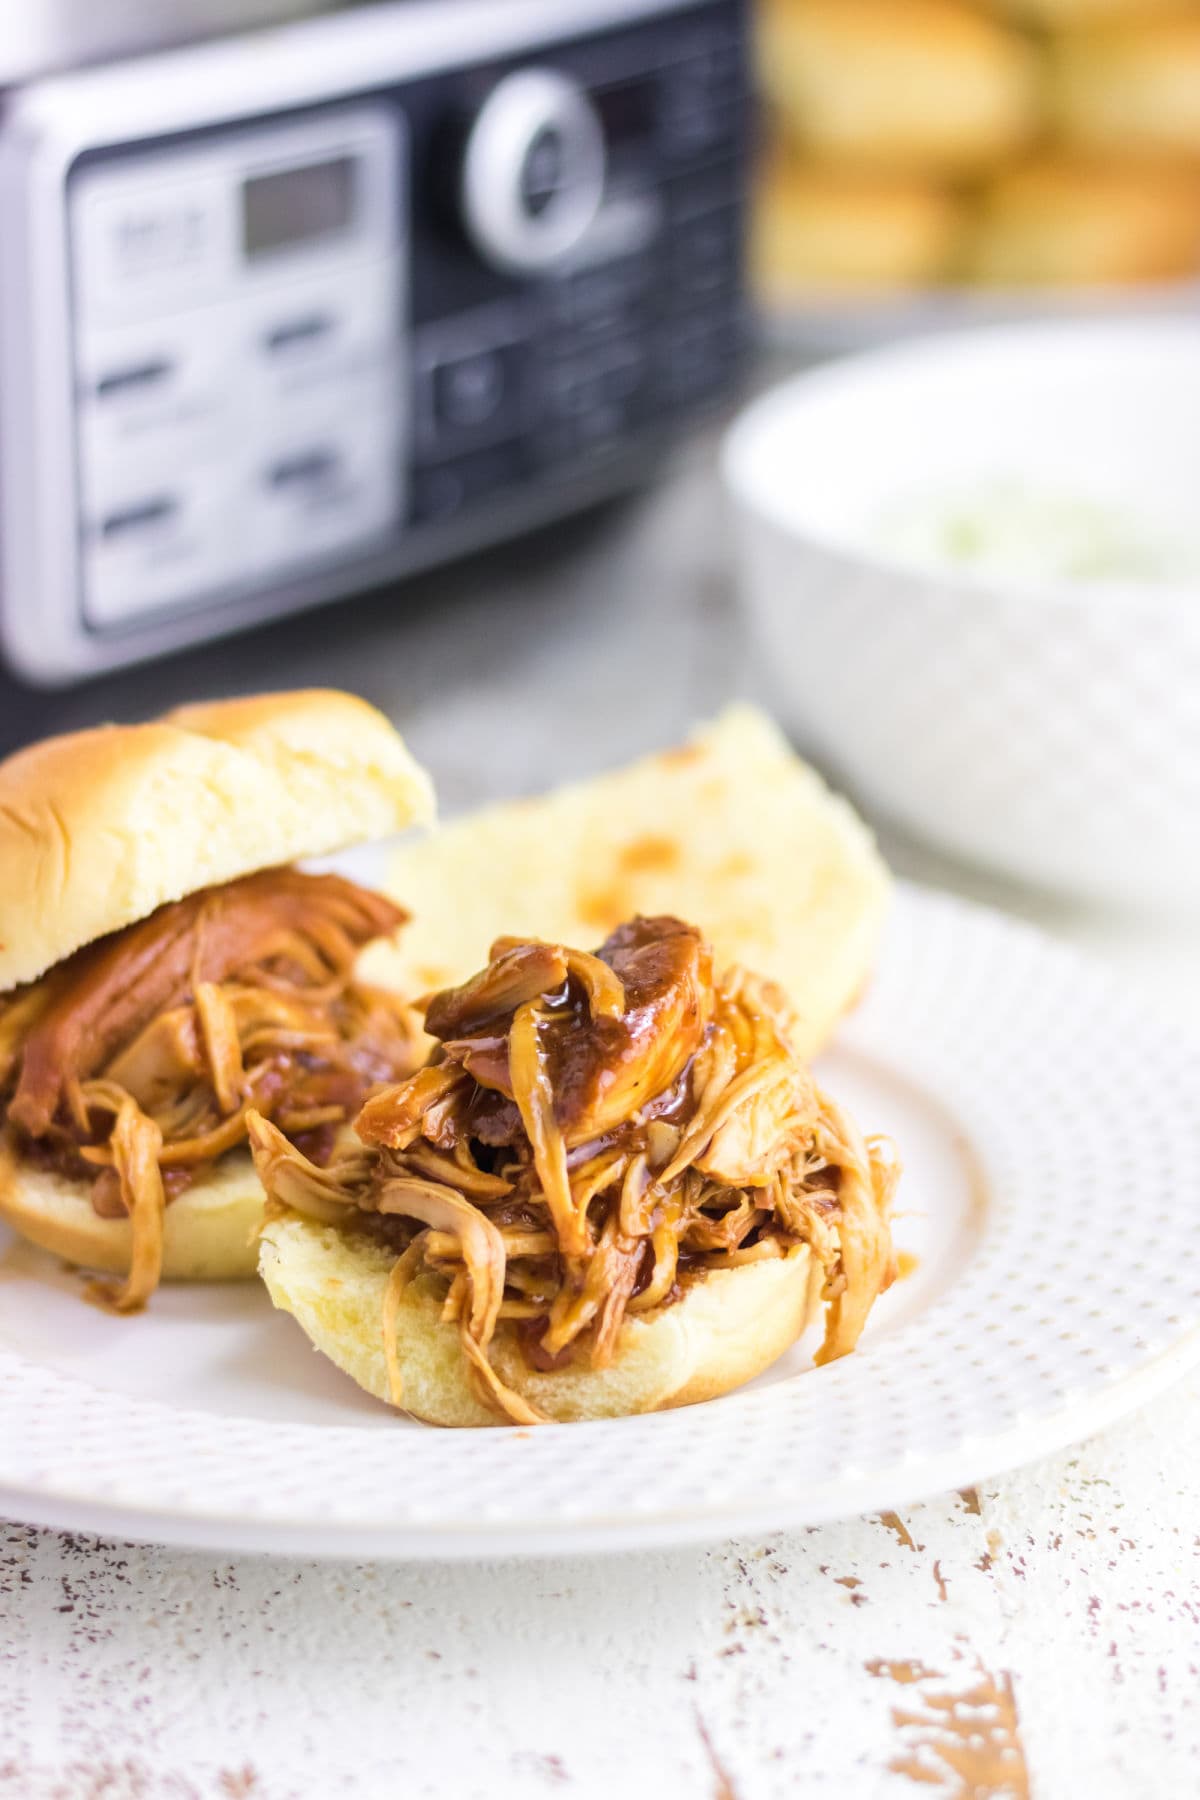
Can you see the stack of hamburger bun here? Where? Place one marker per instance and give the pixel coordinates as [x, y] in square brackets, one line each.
[1003, 144]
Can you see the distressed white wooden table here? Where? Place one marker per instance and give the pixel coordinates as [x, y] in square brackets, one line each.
[1037, 1636]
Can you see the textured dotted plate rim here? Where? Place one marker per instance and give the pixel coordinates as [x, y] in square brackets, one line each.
[1060, 1322]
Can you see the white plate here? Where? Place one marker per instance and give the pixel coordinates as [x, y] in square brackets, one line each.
[1051, 1196]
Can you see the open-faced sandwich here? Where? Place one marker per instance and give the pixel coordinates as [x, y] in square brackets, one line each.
[613, 1187]
[164, 971]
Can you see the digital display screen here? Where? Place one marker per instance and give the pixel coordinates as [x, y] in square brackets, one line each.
[294, 206]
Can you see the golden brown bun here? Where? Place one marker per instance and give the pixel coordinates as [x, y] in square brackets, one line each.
[727, 1329]
[1062, 14]
[731, 830]
[208, 1232]
[1132, 86]
[1073, 221]
[835, 229]
[934, 85]
[100, 827]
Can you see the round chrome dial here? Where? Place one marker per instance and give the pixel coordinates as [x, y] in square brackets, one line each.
[532, 171]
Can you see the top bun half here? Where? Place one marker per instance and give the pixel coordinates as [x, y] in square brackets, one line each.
[730, 829]
[100, 827]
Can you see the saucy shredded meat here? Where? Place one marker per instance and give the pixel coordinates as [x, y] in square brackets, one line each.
[591, 1135]
[136, 1062]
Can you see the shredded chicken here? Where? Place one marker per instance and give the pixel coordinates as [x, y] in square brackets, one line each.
[136, 1063]
[592, 1135]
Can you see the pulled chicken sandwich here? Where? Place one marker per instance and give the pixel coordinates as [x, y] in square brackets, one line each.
[132, 1067]
[612, 1187]
[129, 1067]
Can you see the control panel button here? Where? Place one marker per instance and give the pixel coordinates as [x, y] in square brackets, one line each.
[469, 391]
[334, 485]
[703, 95]
[719, 186]
[532, 171]
[472, 377]
[605, 297]
[552, 449]
[444, 491]
[623, 367]
[155, 392]
[602, 425]
[136, 377]
[559, 448]
[698, 356]
[707, 252]
[305, 471]
[316, 333]
[144, 246]
[155, 548]
[595, 380]
[315, 326]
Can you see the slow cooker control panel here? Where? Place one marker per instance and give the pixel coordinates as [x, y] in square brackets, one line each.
[241, 372]
[315, 347]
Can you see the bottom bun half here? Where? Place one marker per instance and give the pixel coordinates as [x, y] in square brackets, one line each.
[208, 1232]
[726, 1329]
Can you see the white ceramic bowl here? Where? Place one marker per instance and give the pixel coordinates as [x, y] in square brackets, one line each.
[1047, 728]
